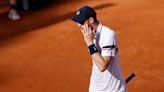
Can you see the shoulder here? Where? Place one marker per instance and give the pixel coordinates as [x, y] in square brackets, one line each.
[106, 31]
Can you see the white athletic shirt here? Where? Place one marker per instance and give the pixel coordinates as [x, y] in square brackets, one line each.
[111, 79]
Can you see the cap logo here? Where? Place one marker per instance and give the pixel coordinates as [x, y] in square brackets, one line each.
[78, 12]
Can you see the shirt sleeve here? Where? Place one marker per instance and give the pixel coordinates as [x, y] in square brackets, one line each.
[108, 47]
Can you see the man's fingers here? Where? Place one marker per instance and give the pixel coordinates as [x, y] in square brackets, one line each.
[89, 30]
[82, 30]
[85, 29]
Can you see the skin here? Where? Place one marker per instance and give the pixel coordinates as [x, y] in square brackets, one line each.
[88, 30]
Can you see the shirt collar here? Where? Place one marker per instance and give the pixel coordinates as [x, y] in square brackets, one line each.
[99, 28]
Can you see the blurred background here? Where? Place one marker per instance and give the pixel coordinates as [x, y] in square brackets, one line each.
[42, 50]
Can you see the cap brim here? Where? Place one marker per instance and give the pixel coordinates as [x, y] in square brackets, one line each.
[78, 19]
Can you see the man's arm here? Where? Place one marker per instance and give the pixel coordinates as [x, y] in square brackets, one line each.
[101, 62]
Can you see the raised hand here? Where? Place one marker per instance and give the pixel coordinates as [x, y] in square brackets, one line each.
[88, 34]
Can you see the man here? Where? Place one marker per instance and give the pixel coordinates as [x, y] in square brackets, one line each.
[13, 14]
[102, 44]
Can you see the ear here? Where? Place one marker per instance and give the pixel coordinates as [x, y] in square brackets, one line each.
[91, 20]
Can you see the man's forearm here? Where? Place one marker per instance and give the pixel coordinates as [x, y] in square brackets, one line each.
[101, 62]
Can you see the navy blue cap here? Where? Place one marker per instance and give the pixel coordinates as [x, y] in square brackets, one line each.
[83, 14]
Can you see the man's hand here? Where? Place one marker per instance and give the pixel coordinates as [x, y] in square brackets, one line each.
[88, 34]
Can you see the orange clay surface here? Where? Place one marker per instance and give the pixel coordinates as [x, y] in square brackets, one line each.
[45, 51]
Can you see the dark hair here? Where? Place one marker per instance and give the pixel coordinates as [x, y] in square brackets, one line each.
[95, 18]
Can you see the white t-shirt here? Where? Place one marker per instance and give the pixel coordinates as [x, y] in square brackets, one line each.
[111, 79]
